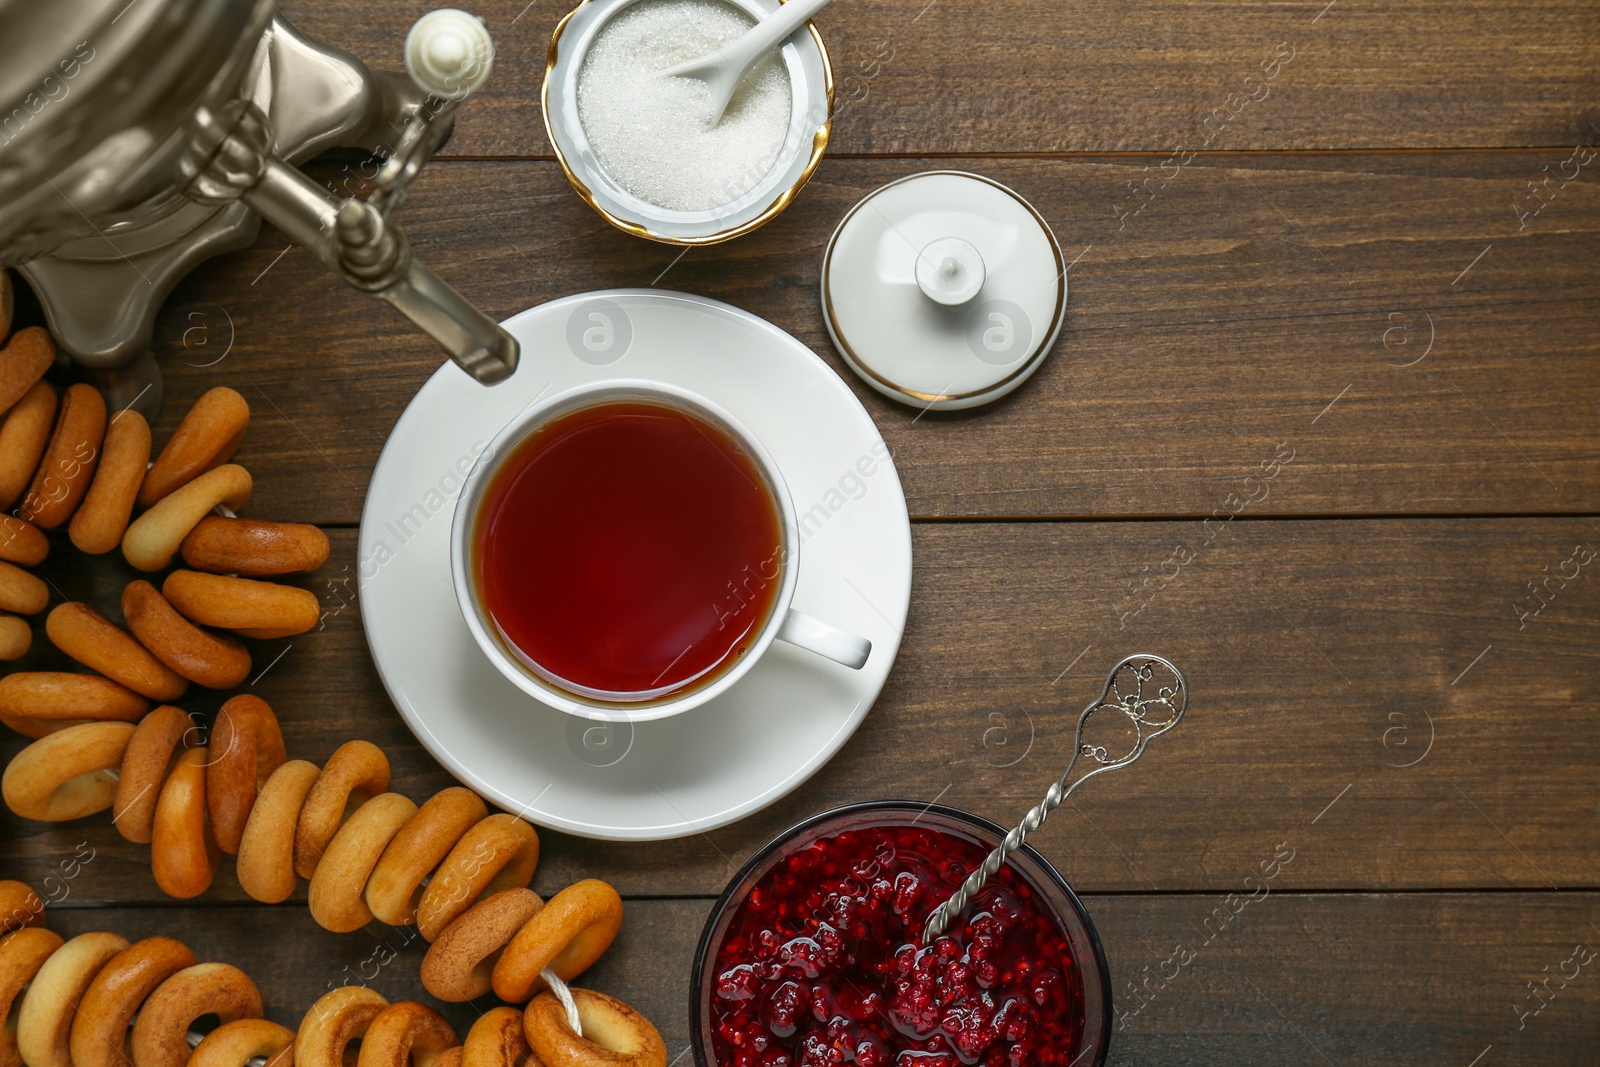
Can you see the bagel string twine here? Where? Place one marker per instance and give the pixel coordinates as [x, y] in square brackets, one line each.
[564, 995]
[112, 739]
[1143, 718]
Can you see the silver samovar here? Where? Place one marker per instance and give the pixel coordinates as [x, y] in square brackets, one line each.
[139, 138]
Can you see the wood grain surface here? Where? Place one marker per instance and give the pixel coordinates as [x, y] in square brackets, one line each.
[1323, 427]
[950, 76]
[1248, 297]
[1324, 657]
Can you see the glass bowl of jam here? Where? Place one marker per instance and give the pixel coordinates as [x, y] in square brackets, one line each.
[813, 956]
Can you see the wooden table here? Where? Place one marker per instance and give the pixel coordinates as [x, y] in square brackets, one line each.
[1351, 243]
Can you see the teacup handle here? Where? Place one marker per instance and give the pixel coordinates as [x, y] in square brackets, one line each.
[810, 632]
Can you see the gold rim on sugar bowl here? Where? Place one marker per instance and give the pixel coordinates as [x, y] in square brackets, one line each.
[810, 76]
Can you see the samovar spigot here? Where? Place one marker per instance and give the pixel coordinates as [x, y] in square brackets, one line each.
[448, 54]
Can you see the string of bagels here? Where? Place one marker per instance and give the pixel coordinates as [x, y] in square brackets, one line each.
[97, 1000]
[111, 737]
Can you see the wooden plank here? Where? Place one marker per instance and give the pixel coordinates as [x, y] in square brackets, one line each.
[1287, 978]
[1412, 979]
[1323, 656]
[1095, 75]
[1223, 320]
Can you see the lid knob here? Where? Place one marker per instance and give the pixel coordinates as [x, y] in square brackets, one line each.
[449, 53]
[950, 270]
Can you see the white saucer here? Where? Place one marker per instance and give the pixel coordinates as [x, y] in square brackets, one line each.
[709, 766]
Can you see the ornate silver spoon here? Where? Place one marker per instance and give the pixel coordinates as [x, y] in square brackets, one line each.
[1127, 691]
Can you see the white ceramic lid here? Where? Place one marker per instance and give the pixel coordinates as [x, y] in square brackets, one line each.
[943, 289]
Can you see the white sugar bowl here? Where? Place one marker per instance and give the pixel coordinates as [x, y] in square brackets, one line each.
[802, 59]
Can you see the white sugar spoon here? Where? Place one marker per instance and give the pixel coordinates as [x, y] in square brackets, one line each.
[725, 68]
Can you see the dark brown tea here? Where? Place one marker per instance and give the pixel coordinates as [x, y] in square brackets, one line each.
[628, 551]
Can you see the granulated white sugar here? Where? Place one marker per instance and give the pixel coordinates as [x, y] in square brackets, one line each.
[652, 133]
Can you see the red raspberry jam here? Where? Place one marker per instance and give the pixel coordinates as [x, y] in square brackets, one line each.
[822, 964]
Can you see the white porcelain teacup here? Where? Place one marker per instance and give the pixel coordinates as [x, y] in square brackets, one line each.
[782, 623]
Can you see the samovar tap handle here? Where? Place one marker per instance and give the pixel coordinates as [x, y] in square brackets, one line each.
[448, 54]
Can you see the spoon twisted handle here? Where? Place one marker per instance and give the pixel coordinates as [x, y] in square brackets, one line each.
[1150, 717]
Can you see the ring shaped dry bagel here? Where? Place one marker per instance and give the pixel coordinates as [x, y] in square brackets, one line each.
[68, 774]
[284, 1057]
[254, 548]
[21, 592]
[20, 906]
[450, 1057]
[160, 1033]
[16, 637]
[103, 516]
[500, 852]
[182, 855]
[37, 728]
[614, 1035]
[21, 542]
[337, 894]
[153, 538]
[155, 743]
[23, 360]
[23, 436]
[63, 695]
[246, 747]
[22, 953]
[395, 887]
[215, 661]
[234, 1044]
[44, 1023]
[266, 850]
[207, 436]
[571, 931]
[356, 771]
[496, 1040]
[406, 1034]
[335, 1020]
[106, 1010]
[254, 608]
[69, 459]
[101, 645]
[460, 961]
